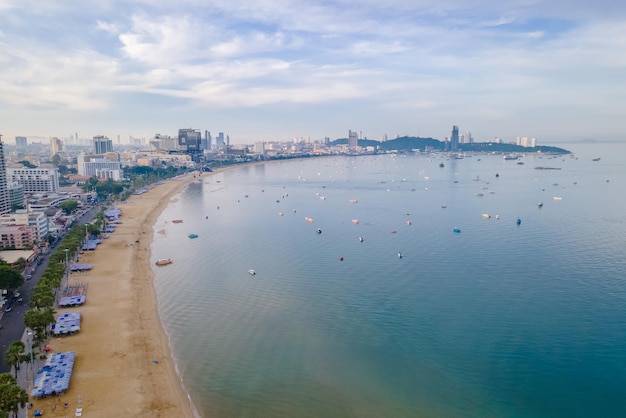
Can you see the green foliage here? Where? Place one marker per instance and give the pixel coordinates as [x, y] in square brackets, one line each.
[42, 297]
[27, 164]
[39, 321]
[56, 160]
[12, 396]
[21, 262]
[10, 278]
[14, 354]
[69, 206]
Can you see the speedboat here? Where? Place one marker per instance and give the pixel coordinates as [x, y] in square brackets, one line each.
[251, 272]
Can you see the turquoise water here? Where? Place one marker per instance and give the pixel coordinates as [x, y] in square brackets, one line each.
[501, 320]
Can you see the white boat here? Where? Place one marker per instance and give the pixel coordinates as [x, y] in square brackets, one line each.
[251, 272]
[558, 198]
[486, 215]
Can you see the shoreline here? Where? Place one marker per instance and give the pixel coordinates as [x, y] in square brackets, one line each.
[124, 365]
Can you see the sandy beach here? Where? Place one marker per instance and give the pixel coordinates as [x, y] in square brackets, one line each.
[123, 366]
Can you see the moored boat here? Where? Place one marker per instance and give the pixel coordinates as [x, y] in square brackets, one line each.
[193, 235]
[163, 261]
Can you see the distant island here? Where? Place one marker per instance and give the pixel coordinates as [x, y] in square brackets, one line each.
[411, 143]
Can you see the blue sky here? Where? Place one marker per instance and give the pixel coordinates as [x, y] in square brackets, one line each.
[283, 69]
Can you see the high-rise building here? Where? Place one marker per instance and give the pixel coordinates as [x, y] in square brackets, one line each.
[190, 140]
[5, 202]
[102, 144]
[21, 142]
[56, 146]
[219, 141]
[353, 140]
[35, 180]
[454, 139]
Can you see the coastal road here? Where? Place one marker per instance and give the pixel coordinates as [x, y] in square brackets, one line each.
[12, 323]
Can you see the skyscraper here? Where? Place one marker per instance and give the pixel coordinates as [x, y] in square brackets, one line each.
[21, 142]
[5, 202]
[190, 140]
[454, 139]
[219, 141]
[56, 146]
[102, 144]
[353, 140]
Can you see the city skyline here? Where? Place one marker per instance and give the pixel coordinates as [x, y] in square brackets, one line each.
[272, 71]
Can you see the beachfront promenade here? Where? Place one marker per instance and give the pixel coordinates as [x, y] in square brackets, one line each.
[122, 364]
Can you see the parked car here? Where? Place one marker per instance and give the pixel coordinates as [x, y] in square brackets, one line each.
[29, 276]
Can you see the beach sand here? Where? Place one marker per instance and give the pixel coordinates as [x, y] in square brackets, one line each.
[123, 366]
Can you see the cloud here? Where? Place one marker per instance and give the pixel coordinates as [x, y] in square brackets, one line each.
[441, 57]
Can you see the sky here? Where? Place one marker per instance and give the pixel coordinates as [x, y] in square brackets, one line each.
[273, 70]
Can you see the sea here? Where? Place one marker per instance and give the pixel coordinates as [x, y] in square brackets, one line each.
[390, 286]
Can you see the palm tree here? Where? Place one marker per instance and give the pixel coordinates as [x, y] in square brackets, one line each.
[14, 355]
[12, 396]
[21, 263]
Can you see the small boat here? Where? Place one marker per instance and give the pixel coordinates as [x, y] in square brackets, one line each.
[354, 201]
[497, 216]
[400, 255]
[444, 206]
[193, 235]
[177, 221]
[486, 215]
[519, 221]
[557, 198]
[393, 231]
[409, 223]
[280, 214]
[497, 175]
[310, 220]
[596, 159]
[319, 231]
[361, 239]
[456, 230]
[355, 221]
[540, 204]
[251, 272]
[163, 261]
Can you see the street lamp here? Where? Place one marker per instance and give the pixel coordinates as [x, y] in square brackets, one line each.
[67, 266]
[30, 348]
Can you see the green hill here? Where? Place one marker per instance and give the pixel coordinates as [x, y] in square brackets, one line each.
[410, 143]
